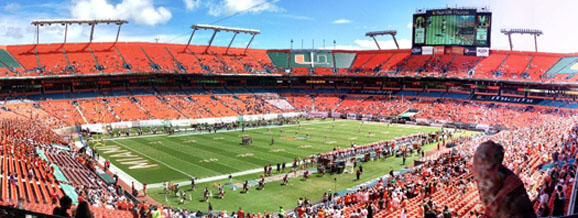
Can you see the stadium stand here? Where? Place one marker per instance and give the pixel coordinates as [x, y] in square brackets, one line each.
[39, 166]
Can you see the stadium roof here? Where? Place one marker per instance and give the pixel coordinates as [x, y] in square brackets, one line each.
[217, 29]
[66, 22]
[228, 29]
[77, 21]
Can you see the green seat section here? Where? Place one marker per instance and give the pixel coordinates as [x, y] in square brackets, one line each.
[6, 60]
[344, 60]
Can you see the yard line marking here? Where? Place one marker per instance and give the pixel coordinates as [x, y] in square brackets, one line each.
[163, 163]
[187, 162]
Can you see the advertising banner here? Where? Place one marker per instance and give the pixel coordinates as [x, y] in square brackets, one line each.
[483, 52]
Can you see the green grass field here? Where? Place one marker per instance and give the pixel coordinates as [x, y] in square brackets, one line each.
[178, 157]
[275, 195]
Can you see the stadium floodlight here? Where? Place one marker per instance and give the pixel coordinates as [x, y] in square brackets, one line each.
[534, 32]
[217, 29]
[381, 33]
[67, 22]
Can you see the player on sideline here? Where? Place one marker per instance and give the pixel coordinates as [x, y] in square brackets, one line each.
[261, 184]
[285, 179]
[193, 183]
[221, 191]
[206, 194]
[245, 187]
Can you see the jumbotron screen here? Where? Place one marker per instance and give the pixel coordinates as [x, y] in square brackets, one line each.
[464, 27]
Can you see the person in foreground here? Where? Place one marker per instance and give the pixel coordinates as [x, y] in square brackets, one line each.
[65, 204]
[83, 211]
[501, 191]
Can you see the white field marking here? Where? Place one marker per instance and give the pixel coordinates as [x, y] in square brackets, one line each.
[277, 150]
[127, 177]
[352, 138]
[209, 160]
[385, 132]
[218, 138]
[210, 179]
[245, 155]
[151, 158]
[190, 141]
[305, 146]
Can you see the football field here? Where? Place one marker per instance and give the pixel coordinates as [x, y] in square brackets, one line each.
[176, 158]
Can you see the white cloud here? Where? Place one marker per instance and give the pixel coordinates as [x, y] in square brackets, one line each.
[341, 21]
[409, 25]
[363, 44]
[192, 4]
[229, 7]
[139, 11]
[387, 44]
[10, 7]
[295, 17]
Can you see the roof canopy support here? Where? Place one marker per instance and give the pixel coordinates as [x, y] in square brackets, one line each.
[68, 22]
[533, 32]
[249, 44]
[380, 33]
[190, 38]
[230, 43]
[211, 40]
[216, 29]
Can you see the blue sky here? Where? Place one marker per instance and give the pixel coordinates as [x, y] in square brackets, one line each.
[345, 21]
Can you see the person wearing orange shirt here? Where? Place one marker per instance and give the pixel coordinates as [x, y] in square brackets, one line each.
[347, 199]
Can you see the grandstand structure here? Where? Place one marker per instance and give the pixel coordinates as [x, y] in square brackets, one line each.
[71, 87]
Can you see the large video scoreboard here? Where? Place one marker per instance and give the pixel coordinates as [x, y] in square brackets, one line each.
[450, 27]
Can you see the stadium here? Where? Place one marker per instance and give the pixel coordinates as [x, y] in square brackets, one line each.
[448, 127]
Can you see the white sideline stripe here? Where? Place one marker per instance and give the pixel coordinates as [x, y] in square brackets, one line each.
[210, 179]
[214, 178]
[163, 163]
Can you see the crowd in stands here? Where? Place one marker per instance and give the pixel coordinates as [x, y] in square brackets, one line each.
[540, 147]
[81, 58]
[69, 59]
[444, 185]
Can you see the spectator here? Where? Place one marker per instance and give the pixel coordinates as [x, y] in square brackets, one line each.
[65, 204]
[83, 211]
[501, 191]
